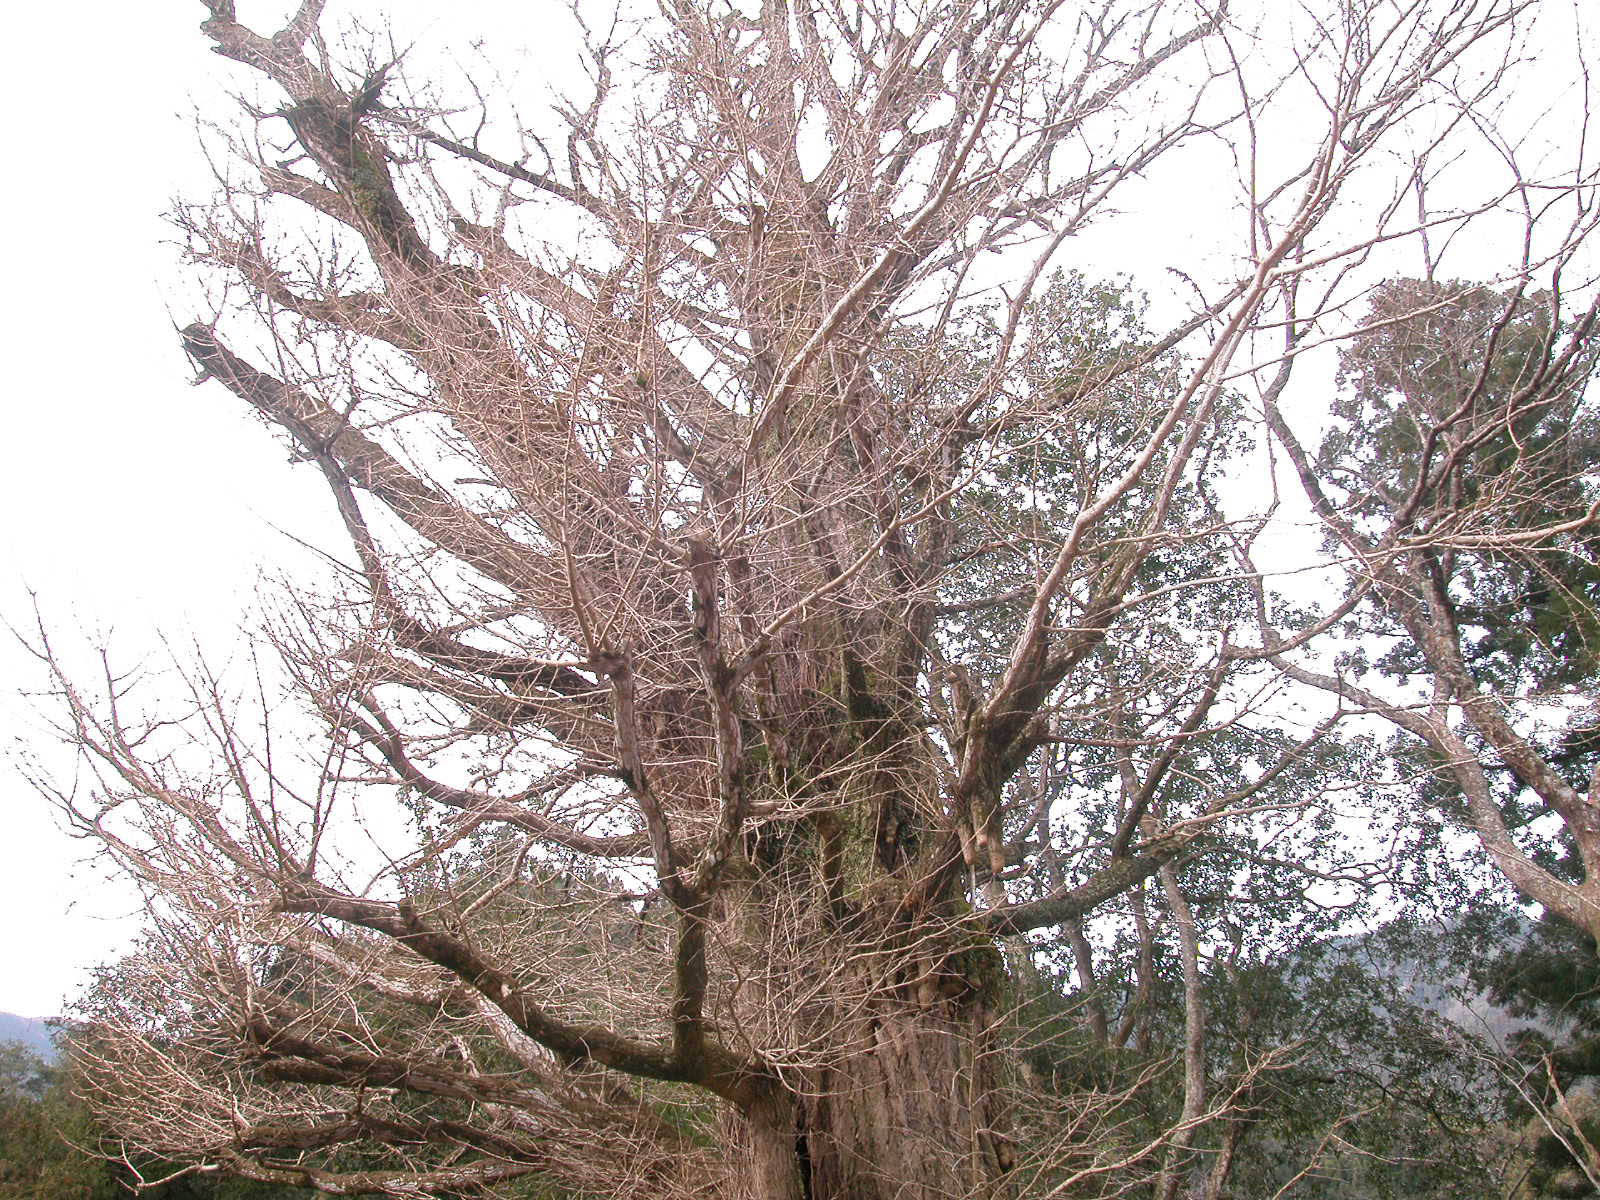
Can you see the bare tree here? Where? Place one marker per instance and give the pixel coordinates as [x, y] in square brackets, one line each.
[730, 556]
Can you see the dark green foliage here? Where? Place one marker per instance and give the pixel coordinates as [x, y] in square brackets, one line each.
[1549, 974]
[1434, 428]
[1375, 1094]
[1094, 388]
[1340, 1078]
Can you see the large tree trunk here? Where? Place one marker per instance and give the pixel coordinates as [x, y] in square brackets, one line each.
[773, 1166]
[910, 1112]
[904, 1101]
[880, 1005]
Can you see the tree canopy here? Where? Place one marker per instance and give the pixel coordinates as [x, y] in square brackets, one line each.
[819, 700]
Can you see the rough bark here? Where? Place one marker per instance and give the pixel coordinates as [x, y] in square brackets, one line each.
[912, 1113]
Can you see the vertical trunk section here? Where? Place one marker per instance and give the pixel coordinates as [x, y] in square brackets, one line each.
[775, 1166]
[912, 1112]
[1194, 1031]
[907, 1109]
[880, 1011]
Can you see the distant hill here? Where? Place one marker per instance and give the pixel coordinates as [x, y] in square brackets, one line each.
[1433, 976]
[30, 1031]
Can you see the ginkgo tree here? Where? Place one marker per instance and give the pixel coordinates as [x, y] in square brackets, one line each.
[738, 520]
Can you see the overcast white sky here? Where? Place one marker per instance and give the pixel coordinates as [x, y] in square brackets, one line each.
[118, 484]
[132, 504]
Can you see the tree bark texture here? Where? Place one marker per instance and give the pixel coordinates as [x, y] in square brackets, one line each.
[909, 1111]
[913, 1115]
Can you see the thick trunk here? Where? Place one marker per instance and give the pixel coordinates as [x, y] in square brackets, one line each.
[910, 1113]
[773, 1167]
[907, 1110]
[880, 1011]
